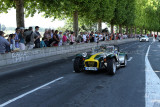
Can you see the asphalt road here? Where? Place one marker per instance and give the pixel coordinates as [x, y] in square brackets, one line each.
[125, 89]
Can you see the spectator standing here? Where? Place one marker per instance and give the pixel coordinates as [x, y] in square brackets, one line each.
[64, 39]
[12, 42]
[100, 36]
[95, 37]
[80, 37]
[21, 38]
[29, 38]
[68, 37]
[60, 38]
[84, 38]
[55, 38]
[87, 37]
[17, 37]
[3, 43]
[91, 37]
[72, 38]
[52, 32]
[47, 37]
[37, 38]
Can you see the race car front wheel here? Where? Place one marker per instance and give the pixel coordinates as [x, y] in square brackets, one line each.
[111, 67]
[125, 62]
[78, 64]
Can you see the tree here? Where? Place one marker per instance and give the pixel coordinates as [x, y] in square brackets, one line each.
[67, 9]
[120, 14]
[104, 12]
[140, 15]
[130, 13]
[19, 5]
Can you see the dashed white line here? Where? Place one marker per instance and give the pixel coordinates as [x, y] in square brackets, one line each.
[27, 93]
[152, 85]
[130, 59]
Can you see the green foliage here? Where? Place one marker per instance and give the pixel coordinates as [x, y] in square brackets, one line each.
[143, 14]
[130, 13]
[120, 13]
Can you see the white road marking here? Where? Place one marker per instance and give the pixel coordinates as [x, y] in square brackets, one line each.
[152, 85]
[130, 59]
[27, 93]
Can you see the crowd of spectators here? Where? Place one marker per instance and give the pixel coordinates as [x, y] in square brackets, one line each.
[26, 39]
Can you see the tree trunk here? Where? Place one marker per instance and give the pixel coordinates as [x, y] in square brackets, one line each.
[112, 27]
[117, 29]
[20, 13]
[135, 31]
[157, 33]
[150, 33]
[141, 31]
[131, 32]
[100, 26]
[145, 31]
[120, 29]
[75, 23]
[127, 30]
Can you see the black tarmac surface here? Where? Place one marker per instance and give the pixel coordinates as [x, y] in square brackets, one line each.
[125, 89]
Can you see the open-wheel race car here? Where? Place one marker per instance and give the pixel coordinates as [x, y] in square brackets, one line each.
[105, 57]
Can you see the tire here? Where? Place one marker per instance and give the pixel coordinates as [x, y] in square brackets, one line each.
[125, 62]
[78, 65]
[111, 67]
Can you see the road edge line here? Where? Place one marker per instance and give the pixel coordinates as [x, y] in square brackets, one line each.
[152, 84]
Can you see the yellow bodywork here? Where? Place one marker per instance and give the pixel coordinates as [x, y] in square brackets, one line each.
[92, 59]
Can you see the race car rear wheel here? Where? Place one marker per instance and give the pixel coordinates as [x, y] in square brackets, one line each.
[111, 67]
[78, 64]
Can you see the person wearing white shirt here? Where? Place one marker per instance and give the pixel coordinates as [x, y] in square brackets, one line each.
[100, 37]
[60, 38]
[84, 38]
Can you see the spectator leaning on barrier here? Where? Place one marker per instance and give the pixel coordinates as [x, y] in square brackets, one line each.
[47, 37]
[92, 37]
[17, 37]
[12, 42]
[29, 38]
[3, 43]
[42, 44]
[84, 38]
[60, 38]
[72, 38]
[37, 38]
[55, 38]
[64, 39]
[21, 38]
[80, 37]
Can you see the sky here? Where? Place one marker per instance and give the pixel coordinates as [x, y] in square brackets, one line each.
[9, 20]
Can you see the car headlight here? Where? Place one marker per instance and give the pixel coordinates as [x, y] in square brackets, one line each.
[84, 54]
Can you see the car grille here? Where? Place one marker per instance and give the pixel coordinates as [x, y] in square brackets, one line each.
[91, 64]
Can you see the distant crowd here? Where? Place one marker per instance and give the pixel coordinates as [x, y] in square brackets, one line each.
[26, 39]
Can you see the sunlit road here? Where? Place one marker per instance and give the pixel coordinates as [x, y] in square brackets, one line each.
[56, 85]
